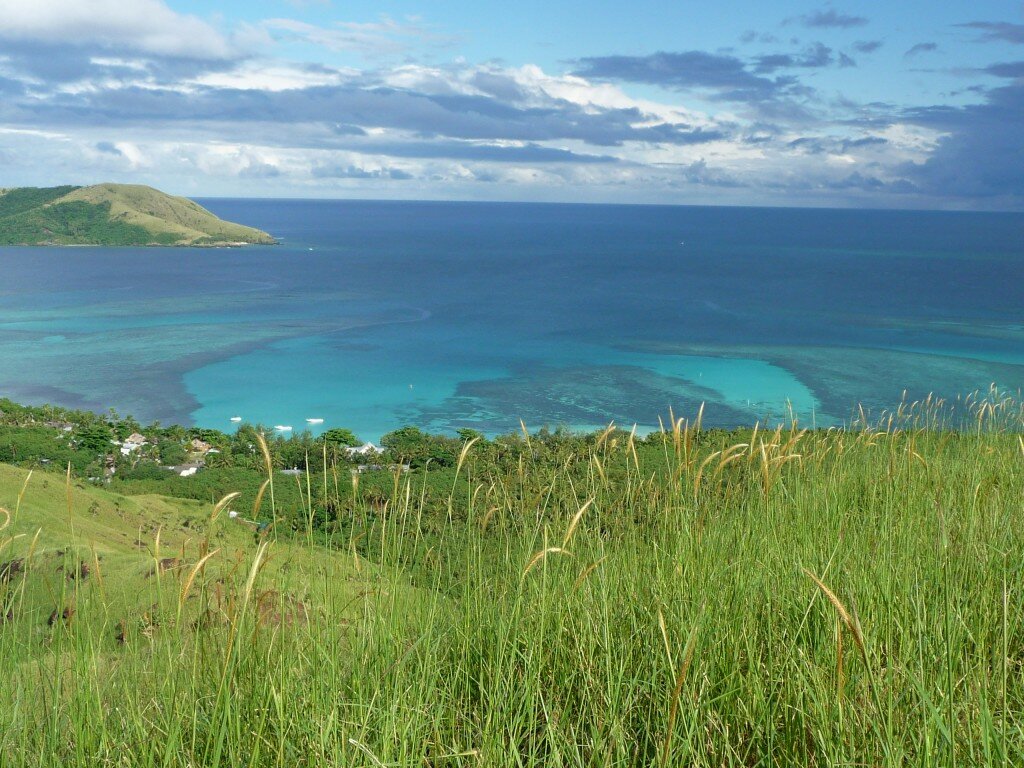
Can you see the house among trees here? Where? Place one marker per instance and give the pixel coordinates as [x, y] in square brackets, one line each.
[185, 470]
[366, 449]
[132, 443]
[200, 446]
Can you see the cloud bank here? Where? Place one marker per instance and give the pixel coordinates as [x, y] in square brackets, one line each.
[140, 92]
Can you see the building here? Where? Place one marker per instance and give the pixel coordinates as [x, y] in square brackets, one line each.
[132, 443]
[185, 470]
[200, 446]
[366, 449]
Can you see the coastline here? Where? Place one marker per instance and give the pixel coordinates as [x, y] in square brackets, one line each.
[220, 244]
[158, 389]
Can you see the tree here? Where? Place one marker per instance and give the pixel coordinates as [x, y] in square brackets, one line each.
[340, 436]
[172, 452]
[407, 441]
[418, 447]
[211, 436]
[294, 451]
[94, 438]
[466, 434]
[174, 432]
[126, 426]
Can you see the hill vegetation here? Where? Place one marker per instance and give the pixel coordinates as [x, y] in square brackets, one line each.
[114, 215]
[756, 597]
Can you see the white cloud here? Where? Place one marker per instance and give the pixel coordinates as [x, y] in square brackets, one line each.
[146, 26]
[577, 90]
[382, 37]
[531, 86]
[436, 81]
[916, 141]
[135, 157]
[412, 129]
[272, 76]
[34, 133]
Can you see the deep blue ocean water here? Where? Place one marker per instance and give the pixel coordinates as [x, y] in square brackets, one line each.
[373, 315]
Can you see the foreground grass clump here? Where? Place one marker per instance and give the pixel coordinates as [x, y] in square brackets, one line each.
[730, 598]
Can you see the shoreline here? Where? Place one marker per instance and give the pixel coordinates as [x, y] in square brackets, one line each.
[224, 244]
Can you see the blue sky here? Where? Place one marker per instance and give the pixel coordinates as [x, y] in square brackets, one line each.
[896, 104]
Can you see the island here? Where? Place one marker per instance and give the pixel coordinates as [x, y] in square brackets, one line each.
[114, 215]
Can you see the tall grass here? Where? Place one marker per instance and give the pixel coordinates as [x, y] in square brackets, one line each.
[761, 597]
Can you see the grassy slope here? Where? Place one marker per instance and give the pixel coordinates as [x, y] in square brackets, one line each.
[114, 214]
[120, 539]
[157, 212]
[150, 662]
[672, 621]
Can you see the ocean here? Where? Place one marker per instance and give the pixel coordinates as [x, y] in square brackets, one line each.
[375, 315]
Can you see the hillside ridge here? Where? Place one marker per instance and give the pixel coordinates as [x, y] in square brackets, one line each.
[114, 214]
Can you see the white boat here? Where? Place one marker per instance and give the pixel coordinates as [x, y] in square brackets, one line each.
[282, 428]
[314, 421]
[236, 419]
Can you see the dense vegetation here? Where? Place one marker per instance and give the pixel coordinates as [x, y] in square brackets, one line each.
[49, 436]
[20, 200]
[760, 597]
[75, 223]
[113, 215]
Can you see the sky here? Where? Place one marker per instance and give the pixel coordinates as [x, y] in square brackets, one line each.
[906, 104]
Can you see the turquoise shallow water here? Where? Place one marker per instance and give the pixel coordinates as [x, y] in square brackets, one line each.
[360, 384]
[375, 315]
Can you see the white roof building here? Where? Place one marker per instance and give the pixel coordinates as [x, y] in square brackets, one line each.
[363, 450]
[131, 444]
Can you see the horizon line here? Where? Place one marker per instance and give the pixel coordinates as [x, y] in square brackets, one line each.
[598, 203]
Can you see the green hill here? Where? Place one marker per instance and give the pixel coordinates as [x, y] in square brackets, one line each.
[65, 540]
[113, 214]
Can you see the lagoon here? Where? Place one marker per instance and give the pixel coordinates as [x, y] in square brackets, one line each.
[373, 315]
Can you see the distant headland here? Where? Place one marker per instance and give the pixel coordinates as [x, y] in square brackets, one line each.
[114, 215]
